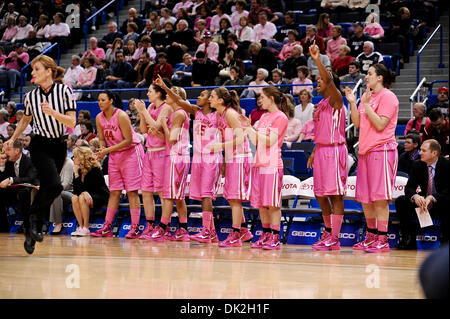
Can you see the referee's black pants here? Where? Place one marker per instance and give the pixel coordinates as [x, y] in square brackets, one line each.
[48, 156]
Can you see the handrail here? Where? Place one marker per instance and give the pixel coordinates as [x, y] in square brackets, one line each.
[437, 81]
[22, 73]
[355, 89]
[85, 26]
[441, 65]
[416, 92]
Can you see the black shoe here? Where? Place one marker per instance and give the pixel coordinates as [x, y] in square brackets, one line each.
[36, 231]
[29, 242]
[407, 244]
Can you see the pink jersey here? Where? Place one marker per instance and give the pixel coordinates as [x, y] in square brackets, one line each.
[206, 133]
[227, 135]
[271, 156]
[181, 146]
[113, 134]
[384, 103]
[153, 141]
[329, 124]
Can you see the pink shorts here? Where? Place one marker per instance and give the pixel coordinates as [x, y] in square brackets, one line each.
[375, 177]
[238, 179]
[330, 170]
[266, 187]
[176, 171]
[153, 171]
[205, 179]
[125, 169]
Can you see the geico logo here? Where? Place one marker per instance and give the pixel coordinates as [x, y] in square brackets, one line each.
[18, 222]
[95, 225]
[426, 238]
[126, 227]
[303, 233]
[347, 235]
[289, 186]
[173, 229]
[258, 232]
[141, 227]
[67, 225]
[351, 187]
[225, 230]
[391, 236]
[194, 229]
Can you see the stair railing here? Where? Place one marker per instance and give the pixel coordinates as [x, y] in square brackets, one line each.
[417, 95]
[440, 65]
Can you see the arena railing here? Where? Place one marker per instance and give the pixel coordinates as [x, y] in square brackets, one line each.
[23, 71]
[417, 95]
[440, 65]
[101, 11]
[357, 90]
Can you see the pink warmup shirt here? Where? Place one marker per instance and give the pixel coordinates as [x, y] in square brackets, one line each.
[271, 122]
[227, 135]
[181, 146]
[205, 133]
[384, 103]
[152, 140]
[329, 124]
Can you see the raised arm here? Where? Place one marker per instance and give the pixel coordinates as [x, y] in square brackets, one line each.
[184, 104]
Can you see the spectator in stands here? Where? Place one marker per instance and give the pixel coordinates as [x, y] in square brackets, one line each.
[335, 42]
[103, 70]
[251, 92]
[244, 32]
[183, 42]
[132, 17]
[369, 57]
[342, 62]
[289, 25]
[408, 28]
[87, 75]
[257, 112]
[235, 79]
[210, 48]
[93, 51]
[87, 131]
[309, 39]
[264, 30]
[277, 78]
[71, 141]
[358, 38]
[59, 31]
[286, 50]
[204, 15]
[10, 129]
[215, 20]
[240, 12]
[410, 154]
[145, 46]
[11, 13]
[163, 68]
[304, 110]
[89, 188]
[442, 103]
[19, 115]
[148, 30]
[332, 6]
[73, 72]
[41, 27]
[302, 78]
[166, 17]
[261, 58]
[324, 26]
[131, 33]
[253, 17]
[226, 63]
[200, 31]
[129, 51]
[373, 29]
[11, 108]
[358, 5]
[221, 35]
[144, 71]
[164, 39]
[113, 33]
[64, 199]
[204, 71]
[294, 128]
[182, 75]
[430, 177]
[312, 66]
[2, 58]
[293, 62]
[155, 18]
[187, 4]
[15, 61]
[119, 70]
[437, 128]
[32, 45]
[354, 75]
[83, 116]
[4, 117]
[10, 32]
[23, 29]
[110, 54]
[417, 123]
[307, 132]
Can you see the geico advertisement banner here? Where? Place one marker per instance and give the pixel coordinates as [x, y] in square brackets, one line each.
[349, 234]
[69, 225]
[224, 229]
[303, 233]
[16, 224]
[428, 238]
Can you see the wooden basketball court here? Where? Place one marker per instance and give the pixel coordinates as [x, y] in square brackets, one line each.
[65, 267]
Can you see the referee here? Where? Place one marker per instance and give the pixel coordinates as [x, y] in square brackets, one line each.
[52, 108]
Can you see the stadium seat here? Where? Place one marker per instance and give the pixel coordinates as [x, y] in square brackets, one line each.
[300, 162]
[303, 5]
[303, 146]
[349, 16]
[345, 27]
[400, 130]
[388, 61]
[307, 19]
[288, 165]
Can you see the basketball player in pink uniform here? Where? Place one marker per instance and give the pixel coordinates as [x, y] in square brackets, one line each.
[206, 165]
[329, 157]
[238, 161]
[118, 139]
[153, 170]
[267, 171]
[176, 170]
[376, 118]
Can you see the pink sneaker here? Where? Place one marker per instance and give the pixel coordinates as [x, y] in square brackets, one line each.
[134, 232]
[159, 234]
[331, 243]
[214, 238]
[105, 231]
[145, 234]
[180, 235]
[273, 242]
[84, 232]
[370, 239]
[245, 234]
[320, 242]
[261, 241]
[233, 240]
[203, 237]
[381, 245]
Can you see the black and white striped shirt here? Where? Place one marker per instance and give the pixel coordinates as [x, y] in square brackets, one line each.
[60, 98]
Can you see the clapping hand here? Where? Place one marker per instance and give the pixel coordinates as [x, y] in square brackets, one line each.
[351, 98]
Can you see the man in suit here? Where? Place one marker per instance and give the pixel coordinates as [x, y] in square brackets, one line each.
[427, 187]
[16, 168]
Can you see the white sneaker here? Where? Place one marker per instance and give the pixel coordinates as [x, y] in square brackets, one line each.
[84, 232]
[77, 232]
